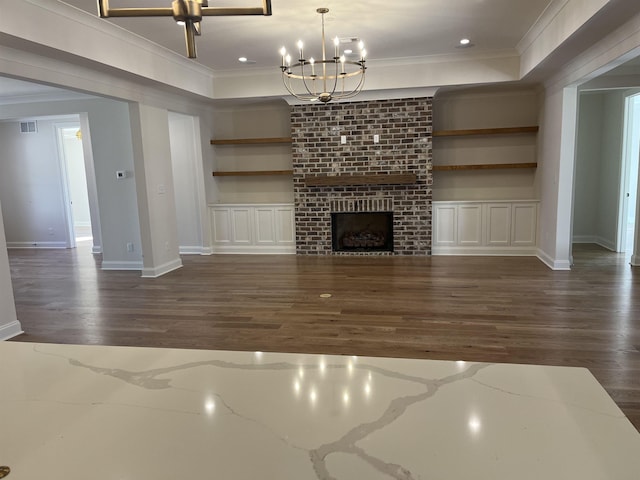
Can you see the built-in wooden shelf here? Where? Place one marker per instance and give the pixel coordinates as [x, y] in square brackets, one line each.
[485, 131]
[252, 173]
[373, 179]
[250, 141]
[490, 166]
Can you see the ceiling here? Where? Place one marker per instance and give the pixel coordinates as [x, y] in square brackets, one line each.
[390, 30]
[401, 31]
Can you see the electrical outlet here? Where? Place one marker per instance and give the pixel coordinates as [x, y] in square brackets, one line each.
[129, 247]
[376, 138]
[343, 139]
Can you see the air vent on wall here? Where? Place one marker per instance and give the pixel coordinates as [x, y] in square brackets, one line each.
[28, 127]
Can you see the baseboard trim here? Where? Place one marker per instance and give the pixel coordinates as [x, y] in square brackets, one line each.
[195, 250]
[112, 265]
[552, 263]
[596, 240]
[57, 245]
[10, 330]
[254, 250]
[486, 251]
[160, 270]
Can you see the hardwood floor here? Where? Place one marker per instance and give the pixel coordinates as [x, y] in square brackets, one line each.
[490, 309]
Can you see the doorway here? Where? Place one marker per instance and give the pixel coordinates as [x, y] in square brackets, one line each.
[74, 179]
[629, 177]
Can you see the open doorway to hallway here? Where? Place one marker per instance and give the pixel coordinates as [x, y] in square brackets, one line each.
[629, 177]
[74, 177]
[606, 169]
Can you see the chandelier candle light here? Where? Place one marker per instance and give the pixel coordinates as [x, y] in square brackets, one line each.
[323, 80]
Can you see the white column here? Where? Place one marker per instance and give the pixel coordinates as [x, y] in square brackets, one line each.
[155, 191]
[9, 324]
[556, 160]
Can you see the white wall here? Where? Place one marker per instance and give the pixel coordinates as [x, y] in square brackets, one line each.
[9, 324]
[485, 108]
[611, 167]
[31, 186]
[257, 121]
[154, 188]
[588, 156]
[598, 167]
[188, 181]
[71, 139]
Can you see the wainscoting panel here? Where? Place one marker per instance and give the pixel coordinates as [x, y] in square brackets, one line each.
[498, 224]
[524, 222]
[485, 228]
[252, 228]
[446, 218]
[470, 225]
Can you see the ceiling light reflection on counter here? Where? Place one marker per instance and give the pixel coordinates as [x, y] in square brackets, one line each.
[474, 424]
[209, 407]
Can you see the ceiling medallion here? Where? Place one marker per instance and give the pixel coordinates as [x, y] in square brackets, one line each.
[323, 80]
[185, 12]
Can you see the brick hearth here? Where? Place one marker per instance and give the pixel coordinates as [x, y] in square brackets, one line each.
[404, 150]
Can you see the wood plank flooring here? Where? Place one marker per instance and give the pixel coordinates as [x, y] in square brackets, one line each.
[490, 309]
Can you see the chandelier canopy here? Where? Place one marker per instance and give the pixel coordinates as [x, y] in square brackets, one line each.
[185, 12]
[332, 78]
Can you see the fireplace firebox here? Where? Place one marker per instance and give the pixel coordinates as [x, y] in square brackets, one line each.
[362, 232]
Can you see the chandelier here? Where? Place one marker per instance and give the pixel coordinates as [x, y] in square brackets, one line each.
[323, 80]
[185, 12]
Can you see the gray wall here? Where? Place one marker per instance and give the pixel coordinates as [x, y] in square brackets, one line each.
[31, 190]
[598, 167]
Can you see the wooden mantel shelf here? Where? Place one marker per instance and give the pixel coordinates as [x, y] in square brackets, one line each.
[485, 131]
[252, 173]
[250, 141]
[490, 166]
[373, 179]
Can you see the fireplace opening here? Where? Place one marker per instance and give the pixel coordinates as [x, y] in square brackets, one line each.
[362, 232]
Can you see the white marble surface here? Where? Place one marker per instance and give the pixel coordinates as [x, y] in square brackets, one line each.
[118, 413]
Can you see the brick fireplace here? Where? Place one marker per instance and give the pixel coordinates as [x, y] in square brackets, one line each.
[339, 166]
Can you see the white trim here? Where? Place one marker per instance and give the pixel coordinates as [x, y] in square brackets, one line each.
[160, 270]
[486, 251]
[370, 95]
[635, 261]
[584, 239]
[64, 178]
[254, 250]
[112, 265]
[37, 245]
[596, 240]
[551, 263]
[10, 330]
[194, 250]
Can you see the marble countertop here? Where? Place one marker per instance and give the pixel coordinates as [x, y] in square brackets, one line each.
[125, 413]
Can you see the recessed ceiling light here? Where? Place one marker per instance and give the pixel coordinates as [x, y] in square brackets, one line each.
[242, 59]
[465, 43]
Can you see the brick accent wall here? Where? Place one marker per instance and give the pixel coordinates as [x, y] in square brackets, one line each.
[404, 127]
